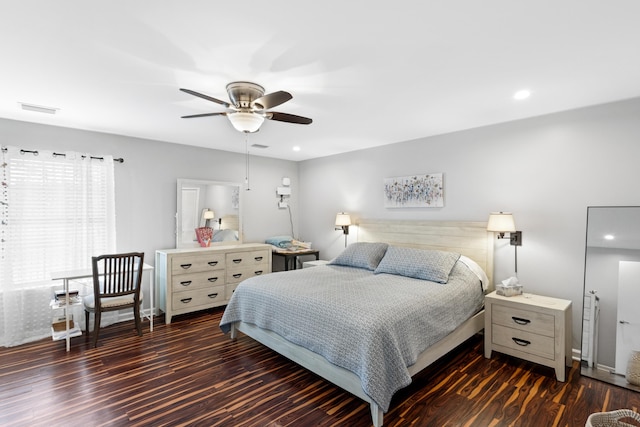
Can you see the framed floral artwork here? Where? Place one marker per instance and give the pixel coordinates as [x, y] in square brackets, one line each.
[414, 191]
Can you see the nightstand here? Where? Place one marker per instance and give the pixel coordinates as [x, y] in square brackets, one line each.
[531, 327]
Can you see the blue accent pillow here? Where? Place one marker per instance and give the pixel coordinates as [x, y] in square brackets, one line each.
[361, 255]
[425, 264]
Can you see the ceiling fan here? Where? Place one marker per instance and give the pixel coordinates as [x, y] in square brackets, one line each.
[249, 105]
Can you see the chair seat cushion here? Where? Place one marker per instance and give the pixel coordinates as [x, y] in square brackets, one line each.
[90, 301]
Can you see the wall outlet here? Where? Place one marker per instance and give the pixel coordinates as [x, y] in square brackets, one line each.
[283, 205]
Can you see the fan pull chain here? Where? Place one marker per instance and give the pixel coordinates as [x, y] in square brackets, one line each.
[246, 147]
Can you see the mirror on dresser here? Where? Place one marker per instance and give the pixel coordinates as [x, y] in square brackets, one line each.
[611, 311]
[213, 204]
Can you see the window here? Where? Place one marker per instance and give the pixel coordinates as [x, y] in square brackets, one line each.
[58, 210]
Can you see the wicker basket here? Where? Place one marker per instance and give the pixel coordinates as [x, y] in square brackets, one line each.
[612, 419]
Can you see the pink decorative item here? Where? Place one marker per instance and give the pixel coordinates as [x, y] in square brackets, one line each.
[204, 235]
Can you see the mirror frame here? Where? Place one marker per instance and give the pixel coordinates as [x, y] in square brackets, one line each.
[180, 185]
[631, 243]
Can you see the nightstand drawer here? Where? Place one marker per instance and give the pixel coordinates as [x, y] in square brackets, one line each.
[524, 320]
[526, 342]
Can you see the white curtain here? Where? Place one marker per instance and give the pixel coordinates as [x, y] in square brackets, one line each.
[57, 211]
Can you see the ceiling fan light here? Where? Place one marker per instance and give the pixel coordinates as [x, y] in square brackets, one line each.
[246, 122]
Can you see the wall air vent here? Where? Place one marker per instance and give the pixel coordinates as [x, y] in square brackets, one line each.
[38, 108]
[259, 146]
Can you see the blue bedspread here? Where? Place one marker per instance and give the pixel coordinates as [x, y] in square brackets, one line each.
[373, 325]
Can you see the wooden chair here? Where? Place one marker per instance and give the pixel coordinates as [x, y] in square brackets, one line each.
[117, 281]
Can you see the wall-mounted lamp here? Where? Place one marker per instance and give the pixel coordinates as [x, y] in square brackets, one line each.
[343, 221]
[501, 223]
[208, 215]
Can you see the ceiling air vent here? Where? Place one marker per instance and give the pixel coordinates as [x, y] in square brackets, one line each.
[259, 146]
[38, 108]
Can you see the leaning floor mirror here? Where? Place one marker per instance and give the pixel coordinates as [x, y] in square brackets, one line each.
[611, 311]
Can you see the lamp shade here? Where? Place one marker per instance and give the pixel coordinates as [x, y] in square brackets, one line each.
[246, 122]
[501, 222]
[208, 215]
[343, 219]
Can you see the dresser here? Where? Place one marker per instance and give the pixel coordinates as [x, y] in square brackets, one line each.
[198, 278]
[531, 327]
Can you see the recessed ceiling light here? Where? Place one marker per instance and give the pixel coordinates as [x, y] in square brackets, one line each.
[609, 237]
[38, 108]
[296, 148]
[522, 94]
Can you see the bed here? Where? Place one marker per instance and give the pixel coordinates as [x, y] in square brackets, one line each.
[366, 320]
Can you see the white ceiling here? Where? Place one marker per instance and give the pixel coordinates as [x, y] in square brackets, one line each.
[368, 73]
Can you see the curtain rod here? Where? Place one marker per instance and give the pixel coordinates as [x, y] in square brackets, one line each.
[35, 153]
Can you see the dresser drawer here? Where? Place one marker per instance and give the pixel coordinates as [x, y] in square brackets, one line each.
[244, 259]
[200, 262]
[204, 279]
[237, 275]
[524, 320]
[524, 341]
[197, 297]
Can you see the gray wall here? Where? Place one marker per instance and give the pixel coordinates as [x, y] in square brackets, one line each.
[146, 181]
[546, 170]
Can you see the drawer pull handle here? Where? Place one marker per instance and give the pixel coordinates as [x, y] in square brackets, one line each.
[520, 320]
[185, 266]
[258, 258]
[521, 342]
[212, 295]
[186, 283]
[237, 261]
[186, 300]
[237, 275]
[257, 273]
[213, 263]
[212, 279]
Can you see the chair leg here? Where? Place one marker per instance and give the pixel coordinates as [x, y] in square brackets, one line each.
[136, 314]
[86, 322]
[96, 327]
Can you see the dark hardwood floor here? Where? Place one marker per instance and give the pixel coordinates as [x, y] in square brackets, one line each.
[188, 373]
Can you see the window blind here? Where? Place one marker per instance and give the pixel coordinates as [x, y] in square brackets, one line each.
[57, 212]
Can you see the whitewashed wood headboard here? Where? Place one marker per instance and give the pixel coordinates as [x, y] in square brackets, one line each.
[467, 238]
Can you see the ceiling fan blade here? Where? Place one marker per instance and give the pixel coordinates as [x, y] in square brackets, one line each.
[204, 115]
[289, 118]
[207, 97]
[272, 100]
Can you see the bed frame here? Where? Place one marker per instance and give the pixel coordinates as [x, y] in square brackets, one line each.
[467, 238]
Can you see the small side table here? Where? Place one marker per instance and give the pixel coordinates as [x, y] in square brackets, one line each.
[291, 257]
[531, 327]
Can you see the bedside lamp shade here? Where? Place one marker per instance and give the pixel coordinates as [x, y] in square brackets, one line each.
[501, 222]
[343, 219]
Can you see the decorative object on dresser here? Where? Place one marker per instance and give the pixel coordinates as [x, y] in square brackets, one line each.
[531, 327]
[200, 278]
